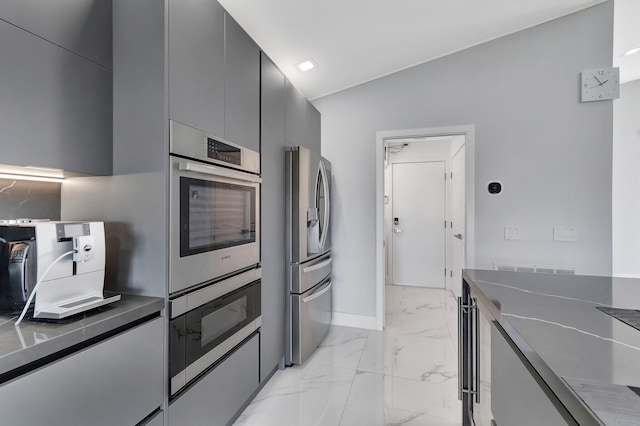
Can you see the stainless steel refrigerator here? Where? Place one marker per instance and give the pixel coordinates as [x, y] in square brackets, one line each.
[308, 194]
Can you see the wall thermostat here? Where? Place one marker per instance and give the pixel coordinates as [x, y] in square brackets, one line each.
[495, 187]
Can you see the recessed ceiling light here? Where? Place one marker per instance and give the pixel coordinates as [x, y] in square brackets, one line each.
[306, 65]
[631, 51]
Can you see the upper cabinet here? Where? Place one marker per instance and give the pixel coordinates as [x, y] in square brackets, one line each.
[302, 120]
[196, 64]
[214, 73]
[81, 26]
[313, 124]
[242, 87]
[56, 108]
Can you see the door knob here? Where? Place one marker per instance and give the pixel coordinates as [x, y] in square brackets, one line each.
[458, 236]
[397, 230]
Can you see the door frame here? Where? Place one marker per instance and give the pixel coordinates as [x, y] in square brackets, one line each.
[381, 136]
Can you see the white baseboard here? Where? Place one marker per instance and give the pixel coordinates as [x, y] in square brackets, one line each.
[354, 320]
[621, 276]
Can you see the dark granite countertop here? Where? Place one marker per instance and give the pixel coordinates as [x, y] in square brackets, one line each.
[32, 341]
[554, 321]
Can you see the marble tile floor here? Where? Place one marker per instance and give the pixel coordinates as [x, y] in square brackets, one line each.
[404, 375]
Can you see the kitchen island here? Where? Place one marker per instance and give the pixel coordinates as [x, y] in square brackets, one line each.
[102, 367]
[539, 349]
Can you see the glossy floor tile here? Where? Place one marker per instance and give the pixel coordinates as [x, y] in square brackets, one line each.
[404, 375]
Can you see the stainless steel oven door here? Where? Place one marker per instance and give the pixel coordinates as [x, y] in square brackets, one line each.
[215, 222]
[207, 323]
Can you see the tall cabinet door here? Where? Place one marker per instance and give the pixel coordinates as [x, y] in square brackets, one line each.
[242, 87]
[312, 127]
[295, 116]
[302, 120]
[197, 64]
[273, 220]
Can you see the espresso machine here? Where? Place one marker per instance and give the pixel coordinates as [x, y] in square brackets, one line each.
[63, 261]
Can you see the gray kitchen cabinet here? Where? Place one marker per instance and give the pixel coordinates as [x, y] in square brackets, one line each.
[81, 26]
[302, 120]
[214, 73]
[295, 127]
[197, 64]
[56, 108]
[273, 221]
[118, 381]
[516, 397]
[140, 122]
[220, 394]
[242, 87]
[312, 118]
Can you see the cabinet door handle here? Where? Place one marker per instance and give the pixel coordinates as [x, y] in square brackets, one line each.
[465, 319]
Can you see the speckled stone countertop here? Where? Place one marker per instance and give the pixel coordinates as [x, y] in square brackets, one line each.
[33, 341]
[554, 321]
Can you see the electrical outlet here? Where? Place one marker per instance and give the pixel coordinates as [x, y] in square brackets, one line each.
[511, 232]
[565, 233]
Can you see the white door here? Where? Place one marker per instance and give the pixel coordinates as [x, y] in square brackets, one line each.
[418, 217]
[457, 218]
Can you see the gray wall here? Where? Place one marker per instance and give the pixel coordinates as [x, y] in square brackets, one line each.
[29, 199]
[551, 152]
[133, 202]
[626, 176]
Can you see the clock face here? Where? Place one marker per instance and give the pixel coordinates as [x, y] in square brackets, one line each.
[600, 85]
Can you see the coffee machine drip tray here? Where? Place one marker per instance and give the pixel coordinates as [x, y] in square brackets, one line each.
[76, 307]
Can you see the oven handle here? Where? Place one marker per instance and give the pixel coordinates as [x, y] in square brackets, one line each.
[218, 171]
[195, 299]
[318, 293]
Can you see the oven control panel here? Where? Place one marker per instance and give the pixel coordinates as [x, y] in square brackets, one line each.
[223, 152]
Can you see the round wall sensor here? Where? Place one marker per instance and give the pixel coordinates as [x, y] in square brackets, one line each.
[495, 187]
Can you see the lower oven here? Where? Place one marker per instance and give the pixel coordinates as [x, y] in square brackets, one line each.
[209, 322]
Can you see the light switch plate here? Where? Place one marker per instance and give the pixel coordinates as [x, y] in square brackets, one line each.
[511, 232]
[565, 233]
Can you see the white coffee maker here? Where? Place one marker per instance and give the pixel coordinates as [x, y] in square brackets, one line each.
[65, 260]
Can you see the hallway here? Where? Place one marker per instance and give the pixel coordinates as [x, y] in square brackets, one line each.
[404, 375]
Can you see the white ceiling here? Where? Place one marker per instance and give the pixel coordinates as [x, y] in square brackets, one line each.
[626, 36]
[354, 41]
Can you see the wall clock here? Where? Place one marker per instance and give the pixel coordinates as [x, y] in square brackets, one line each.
[601, 84]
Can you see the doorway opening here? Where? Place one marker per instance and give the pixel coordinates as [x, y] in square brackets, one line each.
[425, 181]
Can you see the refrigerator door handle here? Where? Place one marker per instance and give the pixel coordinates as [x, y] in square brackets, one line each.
[316, 266]
[322, 174]
[477, 351]
[325, 288]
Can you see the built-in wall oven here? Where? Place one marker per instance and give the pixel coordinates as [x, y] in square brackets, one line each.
[208, 323]
[215, 208]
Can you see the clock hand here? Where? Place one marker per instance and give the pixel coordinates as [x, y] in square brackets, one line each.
[603, 82]
[597, 80]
